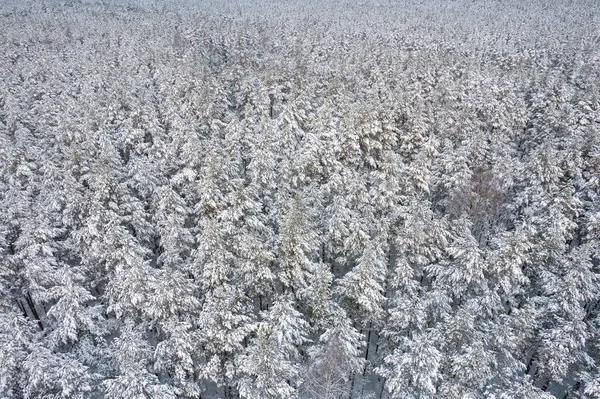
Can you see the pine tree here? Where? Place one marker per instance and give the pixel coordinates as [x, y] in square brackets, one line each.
[132, 356]
[363, 285]
[272, 361]
[73, 310]
[413, 370]
[334, 359]
[298, 247]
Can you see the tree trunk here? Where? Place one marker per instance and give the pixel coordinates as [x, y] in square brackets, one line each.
[34, 310]
[351, 386]
[382, 388]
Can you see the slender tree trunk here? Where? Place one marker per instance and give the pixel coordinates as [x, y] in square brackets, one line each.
[368, 344]
[22, 307]
[352, 385]
[530, 363]
[382, 388]
[545, 385]
[33, 310]
[364, 373]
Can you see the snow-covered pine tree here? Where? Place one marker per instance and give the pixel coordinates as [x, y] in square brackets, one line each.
[272, 363]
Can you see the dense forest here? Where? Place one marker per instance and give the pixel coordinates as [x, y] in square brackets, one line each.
[300, 199]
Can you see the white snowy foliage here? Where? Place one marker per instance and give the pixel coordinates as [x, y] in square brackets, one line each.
[134, 379]
[364, 283]
[302, 199]
[413, 369]
[72, 310]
